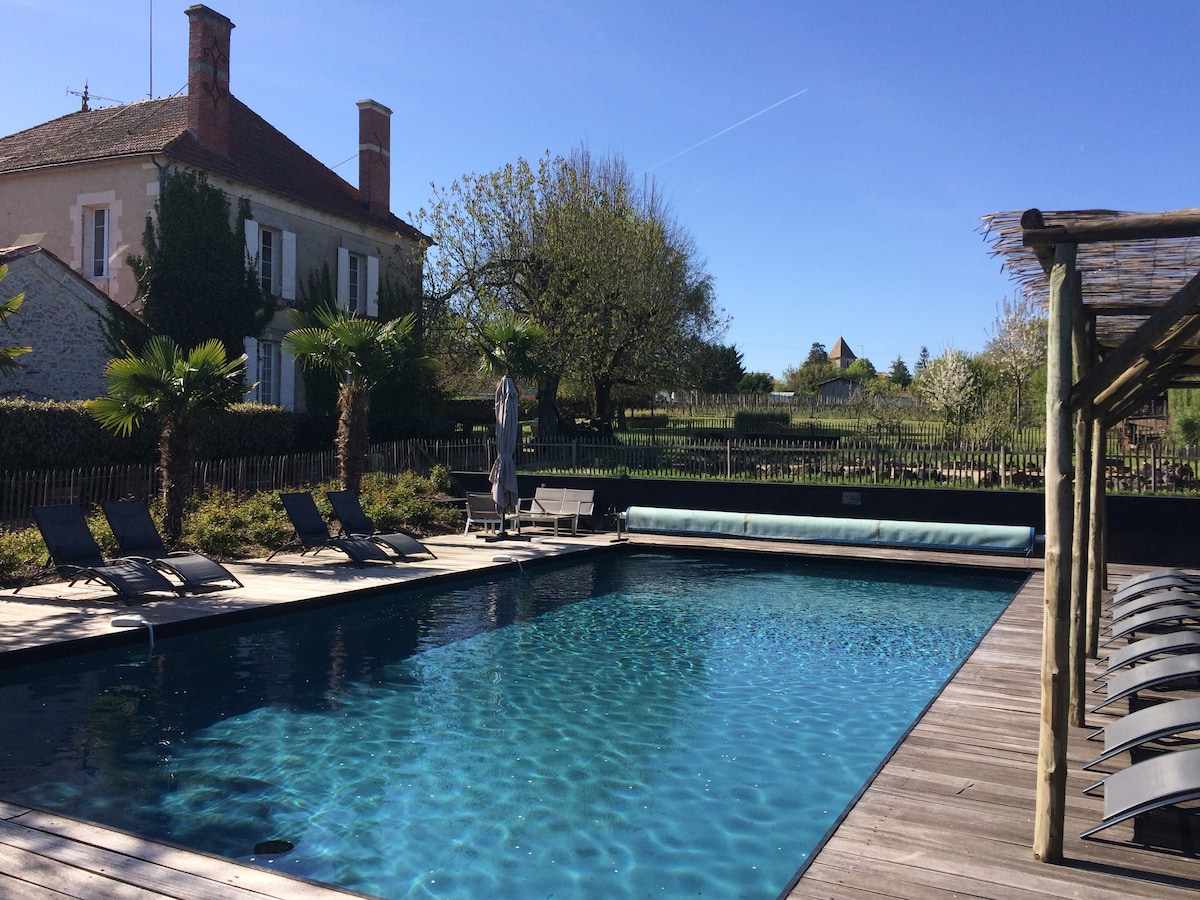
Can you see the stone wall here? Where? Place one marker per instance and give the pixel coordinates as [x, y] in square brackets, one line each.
[63, 320]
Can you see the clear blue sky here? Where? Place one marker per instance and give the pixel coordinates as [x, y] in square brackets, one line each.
[851, 209]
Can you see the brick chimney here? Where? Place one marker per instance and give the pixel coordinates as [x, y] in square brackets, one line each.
[208, 77]
[375, 156]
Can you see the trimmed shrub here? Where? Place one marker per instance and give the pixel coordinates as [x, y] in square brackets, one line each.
[748, 421]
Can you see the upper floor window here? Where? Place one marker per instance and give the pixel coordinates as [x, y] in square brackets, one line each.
[358, 283]
[268, 261]
[272, 251]
[96, 226]
[356, 275]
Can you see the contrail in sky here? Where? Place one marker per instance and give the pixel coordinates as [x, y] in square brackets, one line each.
[713, 137]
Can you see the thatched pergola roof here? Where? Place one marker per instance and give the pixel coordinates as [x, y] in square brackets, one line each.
[1138, 283]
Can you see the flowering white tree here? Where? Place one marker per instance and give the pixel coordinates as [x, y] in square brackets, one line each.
[949, 386]
[1016, 346]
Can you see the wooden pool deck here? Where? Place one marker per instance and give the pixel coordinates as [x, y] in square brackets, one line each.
[949, 815]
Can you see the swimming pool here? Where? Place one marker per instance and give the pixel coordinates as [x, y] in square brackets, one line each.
[638, 724]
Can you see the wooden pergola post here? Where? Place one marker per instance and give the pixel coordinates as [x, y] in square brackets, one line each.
[1097, 582]
[1050, 808]
[1082, 340]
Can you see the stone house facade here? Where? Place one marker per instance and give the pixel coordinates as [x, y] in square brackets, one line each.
[81, 186]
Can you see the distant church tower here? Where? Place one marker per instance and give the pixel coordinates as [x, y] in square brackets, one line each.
[842, 355]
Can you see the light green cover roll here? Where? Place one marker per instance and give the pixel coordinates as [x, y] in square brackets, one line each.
[829, 529]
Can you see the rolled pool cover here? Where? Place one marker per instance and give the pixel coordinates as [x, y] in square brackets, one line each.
[832, 530]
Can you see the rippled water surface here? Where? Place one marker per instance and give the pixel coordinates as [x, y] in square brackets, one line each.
[634, 726]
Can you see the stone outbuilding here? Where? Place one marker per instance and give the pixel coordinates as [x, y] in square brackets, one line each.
[65, 319]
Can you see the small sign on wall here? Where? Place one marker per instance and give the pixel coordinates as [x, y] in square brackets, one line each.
[851, 498]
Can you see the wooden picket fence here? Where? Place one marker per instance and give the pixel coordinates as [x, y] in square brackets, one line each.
[1136, 470]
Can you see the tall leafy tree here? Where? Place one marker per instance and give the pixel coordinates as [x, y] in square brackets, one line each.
[922, 361]
[179, 391]
[585, 251]
[898, 374]
[713, 368]
[194, 280]
[8, 355]
[756, 383]
[359, 353]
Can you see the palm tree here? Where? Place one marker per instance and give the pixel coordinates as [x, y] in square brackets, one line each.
[179, 392]
[359, 353]
[8, 355]
[511, 345]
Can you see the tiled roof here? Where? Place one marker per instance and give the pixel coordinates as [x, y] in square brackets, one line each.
[137, 128]
[841, 351]
[261, 155]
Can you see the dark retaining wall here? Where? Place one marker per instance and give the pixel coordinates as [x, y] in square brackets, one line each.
[1157, 530]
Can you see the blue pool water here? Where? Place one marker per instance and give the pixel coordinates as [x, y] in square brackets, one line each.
[636, 725]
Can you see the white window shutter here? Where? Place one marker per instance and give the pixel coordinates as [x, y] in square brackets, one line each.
[251, 242]
[287, 380]
[251, 346]
[287, 274]
[343, 278]
[373, 286]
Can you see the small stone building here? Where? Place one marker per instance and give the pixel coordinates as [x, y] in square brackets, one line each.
[64, 319]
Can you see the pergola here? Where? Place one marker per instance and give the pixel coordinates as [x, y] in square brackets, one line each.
[1122, 294]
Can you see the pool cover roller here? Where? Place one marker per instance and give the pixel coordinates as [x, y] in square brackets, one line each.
[832, 530]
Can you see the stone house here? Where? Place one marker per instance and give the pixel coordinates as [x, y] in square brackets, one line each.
[64, 319]
[82, 185]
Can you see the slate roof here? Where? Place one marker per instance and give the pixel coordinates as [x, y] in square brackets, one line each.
[261, 155]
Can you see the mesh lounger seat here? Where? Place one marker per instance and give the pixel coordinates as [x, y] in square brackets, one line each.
[1155, 783]
[313, 534]
[1150, 582]
[1152, 601]
[1159, 673]
[1152, 618]
[75, 554]
[1149, 724]
[138, 538]
[354, 522]
[1171, 642]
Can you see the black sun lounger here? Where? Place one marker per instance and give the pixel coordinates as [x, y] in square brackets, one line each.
[75, 555]
[354, 522]
[313, 534]
[1161, 781]
[1152, 618]
[1170, 642]
[1159, 673]
[1149, 724]
[138, 538]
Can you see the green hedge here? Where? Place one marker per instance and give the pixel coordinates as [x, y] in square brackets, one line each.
[762, 422]
[49, 435]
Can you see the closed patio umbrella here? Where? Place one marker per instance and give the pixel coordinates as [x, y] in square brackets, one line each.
[504, 471]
